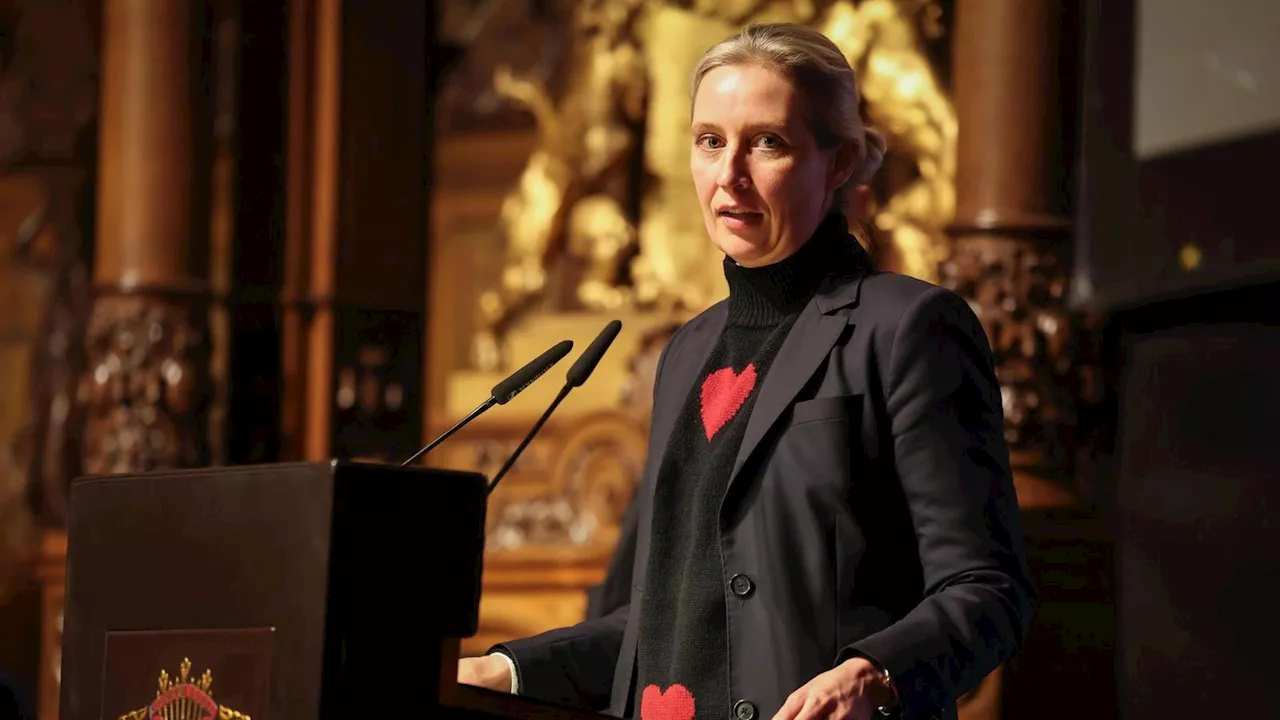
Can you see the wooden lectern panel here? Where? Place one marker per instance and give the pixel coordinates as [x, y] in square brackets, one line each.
[302, 590]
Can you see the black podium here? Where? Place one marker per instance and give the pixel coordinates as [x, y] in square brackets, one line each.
[288, 591]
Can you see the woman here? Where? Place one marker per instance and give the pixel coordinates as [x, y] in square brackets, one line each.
[827, 524]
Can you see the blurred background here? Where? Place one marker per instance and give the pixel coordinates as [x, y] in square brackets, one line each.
[246, 231]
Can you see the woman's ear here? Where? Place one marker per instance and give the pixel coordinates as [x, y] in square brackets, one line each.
[843, 162]
[872, 155]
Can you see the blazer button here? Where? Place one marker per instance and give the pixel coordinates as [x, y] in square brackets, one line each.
[741, 585]
[744, 710]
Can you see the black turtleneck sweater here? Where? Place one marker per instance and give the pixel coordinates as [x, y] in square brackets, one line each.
[683, 639]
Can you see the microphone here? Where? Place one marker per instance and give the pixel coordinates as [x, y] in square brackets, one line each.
[504, 391]
[576, 376]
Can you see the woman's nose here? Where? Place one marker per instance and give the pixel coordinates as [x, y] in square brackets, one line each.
[733, 173]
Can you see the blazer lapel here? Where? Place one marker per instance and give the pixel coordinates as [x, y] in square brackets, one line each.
[807, 345]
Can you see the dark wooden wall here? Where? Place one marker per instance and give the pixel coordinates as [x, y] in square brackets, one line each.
[1192, 360]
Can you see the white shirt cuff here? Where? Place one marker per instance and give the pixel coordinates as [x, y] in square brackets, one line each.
[511, 665]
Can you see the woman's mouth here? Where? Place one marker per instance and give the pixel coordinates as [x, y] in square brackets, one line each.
[738, 218]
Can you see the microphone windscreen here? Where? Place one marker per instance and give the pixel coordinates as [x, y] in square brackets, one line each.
[586, 364]
[522, 378]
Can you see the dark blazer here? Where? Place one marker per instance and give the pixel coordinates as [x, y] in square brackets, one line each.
[871, 511]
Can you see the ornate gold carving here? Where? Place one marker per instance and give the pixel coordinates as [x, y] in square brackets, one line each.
[905, 100]
[637, 390]
[629, 79]
[582, 145]
[1017, 289]
[146, 386]
[533, 590]
[487, 454]
[596, 473]
[187, 699]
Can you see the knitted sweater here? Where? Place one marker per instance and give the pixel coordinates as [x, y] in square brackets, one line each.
[683, 642]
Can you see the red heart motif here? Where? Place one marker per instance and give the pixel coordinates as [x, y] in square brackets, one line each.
[723, 393]
[675, 704]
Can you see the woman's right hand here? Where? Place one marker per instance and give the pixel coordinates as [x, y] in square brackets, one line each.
[490, 671]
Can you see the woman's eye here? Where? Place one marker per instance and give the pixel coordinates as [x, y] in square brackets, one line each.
[769, 142]
[710, 142]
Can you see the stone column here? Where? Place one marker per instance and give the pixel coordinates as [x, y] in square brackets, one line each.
[147, 386]
[1009, 230]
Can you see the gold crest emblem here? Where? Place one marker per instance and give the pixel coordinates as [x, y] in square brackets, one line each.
[186, 699]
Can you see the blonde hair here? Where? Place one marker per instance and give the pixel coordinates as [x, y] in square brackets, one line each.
[827, 83]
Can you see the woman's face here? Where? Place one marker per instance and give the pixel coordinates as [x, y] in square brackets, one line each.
[762, 181]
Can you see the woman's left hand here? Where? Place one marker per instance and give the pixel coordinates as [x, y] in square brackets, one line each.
[853, 690]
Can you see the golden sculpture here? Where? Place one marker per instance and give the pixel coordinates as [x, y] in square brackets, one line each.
[629, 76]
[580, 143]
[600, 233]
[906, 102]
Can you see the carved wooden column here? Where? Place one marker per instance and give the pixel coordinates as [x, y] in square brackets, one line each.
[147, 383]
[1006, 235]
[1010, 242]
[1009, 230]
